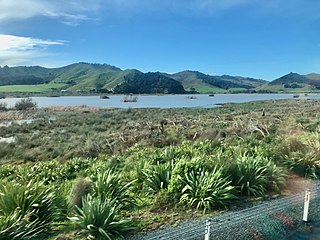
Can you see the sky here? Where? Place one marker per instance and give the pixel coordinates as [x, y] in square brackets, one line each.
[252, 38]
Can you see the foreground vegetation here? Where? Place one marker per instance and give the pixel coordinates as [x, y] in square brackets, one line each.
[105, 173]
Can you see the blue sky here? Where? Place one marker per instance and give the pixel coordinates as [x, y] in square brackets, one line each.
[256, 38]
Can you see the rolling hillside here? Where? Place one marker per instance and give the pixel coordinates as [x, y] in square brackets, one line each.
[86, 77]
[193, 80]
[106, 78]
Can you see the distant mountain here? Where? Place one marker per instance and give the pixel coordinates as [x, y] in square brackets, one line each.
[193, 80]
[313, 76]
[25, 75]
[297, 81]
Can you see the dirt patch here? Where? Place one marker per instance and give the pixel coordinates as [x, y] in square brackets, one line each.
[296, 184]
[14, 115]
[74, 108]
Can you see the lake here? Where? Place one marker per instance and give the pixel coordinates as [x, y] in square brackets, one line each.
[156, 101]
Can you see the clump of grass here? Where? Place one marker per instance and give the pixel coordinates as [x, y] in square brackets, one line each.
[109, 185]
[205, 190]
[157, 177]
[303, 155]
[99, 219]
[254, 175]
[26, 210]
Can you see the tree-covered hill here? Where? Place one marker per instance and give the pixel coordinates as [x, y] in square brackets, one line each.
[149, 83]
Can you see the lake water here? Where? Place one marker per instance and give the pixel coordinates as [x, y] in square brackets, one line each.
[155, 101]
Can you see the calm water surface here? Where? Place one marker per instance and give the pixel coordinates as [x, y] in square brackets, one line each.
[155, 101]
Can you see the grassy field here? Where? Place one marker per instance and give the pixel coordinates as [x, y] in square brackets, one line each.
[31, 88]
[112, 172]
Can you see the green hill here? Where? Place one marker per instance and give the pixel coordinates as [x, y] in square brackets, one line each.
[86, 77]
[99, 78]
[193, 80]
[313, 76]
[138, 82]
[25, 75]
[104, 78]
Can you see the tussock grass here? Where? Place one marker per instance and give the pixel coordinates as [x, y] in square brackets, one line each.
[104, 170]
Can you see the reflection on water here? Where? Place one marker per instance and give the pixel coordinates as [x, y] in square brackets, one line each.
[156, 101]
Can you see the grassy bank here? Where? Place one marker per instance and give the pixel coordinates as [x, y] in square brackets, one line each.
[39, 88]
[104, 172]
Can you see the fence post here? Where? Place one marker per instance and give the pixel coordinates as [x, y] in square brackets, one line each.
[207, 231]
[306, 205]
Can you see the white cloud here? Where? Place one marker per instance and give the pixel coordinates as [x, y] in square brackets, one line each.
[70, 12]
[15, 50]
[73, 12]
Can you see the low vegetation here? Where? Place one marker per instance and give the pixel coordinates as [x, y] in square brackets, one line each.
[112, 172]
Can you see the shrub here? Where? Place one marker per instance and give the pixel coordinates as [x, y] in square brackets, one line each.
[25, 104]
[99, 219]
[205, 190]
[81, 188]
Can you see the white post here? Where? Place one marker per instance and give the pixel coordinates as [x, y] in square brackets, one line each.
[207, 232]
[306, 205]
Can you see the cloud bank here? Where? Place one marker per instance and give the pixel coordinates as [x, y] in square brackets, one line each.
[15, 50]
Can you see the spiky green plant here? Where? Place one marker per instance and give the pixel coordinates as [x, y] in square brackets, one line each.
[276, 176]
[17, 226]
[99, 219]
[205, 190]
[26, 210]
[157, 177]
[180, 170]
[303, 155]
[250, 175]
[109, 185]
